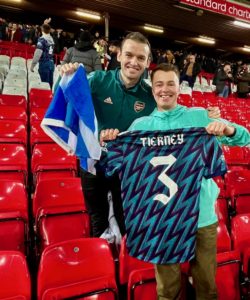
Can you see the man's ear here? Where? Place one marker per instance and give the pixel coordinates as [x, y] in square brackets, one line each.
[119, 53]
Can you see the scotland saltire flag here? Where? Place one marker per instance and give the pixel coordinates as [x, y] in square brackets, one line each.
[70, 119]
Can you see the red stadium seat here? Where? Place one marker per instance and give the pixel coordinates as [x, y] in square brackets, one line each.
[246, 151]
[240, 232]
[223, 238]
[13, 100]
[13, 162]
[15, 277]
[198, 101]
[234, 156]
[13, 113]
[39, 98]
[38, 136]
[231, 116]
[37, 114]
[185, 99]
[227, 276]
[221, 208]
[128, 264]
[221, 185]
[13, 216]
[238, 187]
[86, 269]
[13, 131]
[138, 275]
[59, 211]
[51, 161]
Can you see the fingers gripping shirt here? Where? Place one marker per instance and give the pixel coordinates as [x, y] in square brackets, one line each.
[161, 173]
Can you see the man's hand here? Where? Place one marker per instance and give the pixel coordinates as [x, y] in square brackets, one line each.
[31, 69]
[47, 21]
[68, 68]
[213, 112]
[108, 135]
[220, 129]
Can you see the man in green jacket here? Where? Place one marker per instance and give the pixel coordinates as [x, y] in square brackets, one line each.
[169, 115]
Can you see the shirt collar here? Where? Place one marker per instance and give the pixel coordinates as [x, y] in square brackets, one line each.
[133, 88]
[167, 113]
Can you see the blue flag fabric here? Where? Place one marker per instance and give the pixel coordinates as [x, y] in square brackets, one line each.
[71, 122]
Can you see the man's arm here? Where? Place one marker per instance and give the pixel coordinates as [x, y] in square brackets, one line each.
[37, 55]
[229, 133]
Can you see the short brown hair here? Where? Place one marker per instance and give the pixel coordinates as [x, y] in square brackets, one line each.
[46, 28]
[137, 37]
[165, 68]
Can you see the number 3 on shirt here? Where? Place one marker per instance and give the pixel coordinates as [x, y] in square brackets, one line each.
[167, 181]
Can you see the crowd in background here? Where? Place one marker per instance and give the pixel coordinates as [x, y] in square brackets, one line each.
[97, 53]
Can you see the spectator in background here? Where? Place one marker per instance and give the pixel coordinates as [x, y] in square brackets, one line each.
[15, 35]
[170, 59]
[223, 80]
[3, 29]
[190, 70]
[44, 56]
[243, 81]
[84, 52]
[114, 48]
[101, 48]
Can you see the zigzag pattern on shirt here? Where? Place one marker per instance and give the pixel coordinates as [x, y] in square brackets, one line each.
[146, 184]
[156, 231]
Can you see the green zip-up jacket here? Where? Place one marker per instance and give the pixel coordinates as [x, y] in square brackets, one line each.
[183, 117]
[115, 105]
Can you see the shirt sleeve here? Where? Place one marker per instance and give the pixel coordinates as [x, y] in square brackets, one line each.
[111, 161]
[215, 161]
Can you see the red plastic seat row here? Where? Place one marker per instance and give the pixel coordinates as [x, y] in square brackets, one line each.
[14, 231]
[59, 211]
[15, 276]
[86, 269]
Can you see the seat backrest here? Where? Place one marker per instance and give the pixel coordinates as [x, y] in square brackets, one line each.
[227, 276]
[37, 114]
[56, 194]
[13, 113]
[15, 277]
[234, 155]
[86, 267]
[13, 131]
[128, 264]
[240, 232]
[13, 216]
[13, 100]
[13, 157]
[238, 189]
[51, 157]
[223, 238]
[60, 212]
[39, 98]
[37, 135]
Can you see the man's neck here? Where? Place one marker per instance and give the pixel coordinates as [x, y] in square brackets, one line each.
[128, 83]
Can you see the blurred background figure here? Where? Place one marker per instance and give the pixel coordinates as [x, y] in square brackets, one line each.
[84, 52]
[44, 56]
[190, 71]
[114, 47]
[223, 80]
[243, 81]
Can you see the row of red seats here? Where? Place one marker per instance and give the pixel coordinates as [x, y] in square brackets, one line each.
[85, 269]
[13, 49]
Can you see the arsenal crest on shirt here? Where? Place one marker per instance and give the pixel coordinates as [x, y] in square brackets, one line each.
[139, 106]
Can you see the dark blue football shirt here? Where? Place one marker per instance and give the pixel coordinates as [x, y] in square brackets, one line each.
[161, 173]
